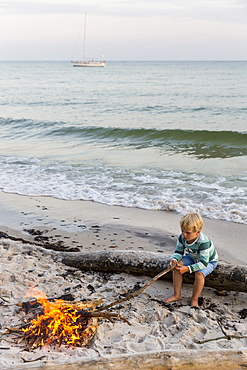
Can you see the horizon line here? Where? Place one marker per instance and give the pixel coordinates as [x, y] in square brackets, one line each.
[126, 60]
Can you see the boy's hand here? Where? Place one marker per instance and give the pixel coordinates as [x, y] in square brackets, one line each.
[182, 269]
[172, 262]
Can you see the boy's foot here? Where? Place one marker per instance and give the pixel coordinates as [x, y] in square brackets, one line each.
[173, 298]
[194, 303]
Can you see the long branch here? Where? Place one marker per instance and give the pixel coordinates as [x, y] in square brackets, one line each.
[139, 291]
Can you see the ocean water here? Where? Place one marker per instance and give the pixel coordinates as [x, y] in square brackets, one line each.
[154, 135]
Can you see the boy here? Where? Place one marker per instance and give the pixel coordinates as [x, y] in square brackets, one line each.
[200, 257]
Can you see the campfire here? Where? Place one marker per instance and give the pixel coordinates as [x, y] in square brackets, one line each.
[58, 322]
[61, 322]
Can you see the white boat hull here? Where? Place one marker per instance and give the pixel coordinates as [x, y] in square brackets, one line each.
[90, 63]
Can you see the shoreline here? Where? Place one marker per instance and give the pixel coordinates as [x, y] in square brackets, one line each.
[84, 225]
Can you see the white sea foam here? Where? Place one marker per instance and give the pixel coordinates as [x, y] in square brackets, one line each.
[152, 190]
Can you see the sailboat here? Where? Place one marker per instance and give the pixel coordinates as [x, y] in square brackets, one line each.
[87, 62]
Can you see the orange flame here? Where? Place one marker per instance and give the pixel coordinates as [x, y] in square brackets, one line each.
[59, 322]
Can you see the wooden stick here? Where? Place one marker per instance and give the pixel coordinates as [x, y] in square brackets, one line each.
[139, 291]
[228, 337]
[36, 359]
[107, 315]
[5, 300]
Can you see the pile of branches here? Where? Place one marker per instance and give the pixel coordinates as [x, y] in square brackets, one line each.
[68, 323]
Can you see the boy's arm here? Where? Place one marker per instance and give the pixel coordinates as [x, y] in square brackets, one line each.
[179, 251]
[207, 253]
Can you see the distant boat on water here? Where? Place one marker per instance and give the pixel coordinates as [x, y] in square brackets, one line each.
[87, 62]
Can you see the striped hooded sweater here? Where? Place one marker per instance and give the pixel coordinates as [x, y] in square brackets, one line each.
[202, 251]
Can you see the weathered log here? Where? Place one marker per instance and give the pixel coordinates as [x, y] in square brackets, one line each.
[224, 277]
[222, 359]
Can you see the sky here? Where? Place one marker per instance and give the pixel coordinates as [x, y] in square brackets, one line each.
[123, 29]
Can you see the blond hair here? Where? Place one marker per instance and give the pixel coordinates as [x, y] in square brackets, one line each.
[191, 222]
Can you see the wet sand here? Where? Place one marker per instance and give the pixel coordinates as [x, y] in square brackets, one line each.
[83, 225]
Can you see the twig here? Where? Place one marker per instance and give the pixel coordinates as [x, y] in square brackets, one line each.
[228, 337]
[5, 300]
[12, 330]
[222, 329]
[107, 315]
[36, 359]
[139, 291]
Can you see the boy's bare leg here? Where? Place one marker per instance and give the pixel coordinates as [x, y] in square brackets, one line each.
[177, 286]
[197, 288]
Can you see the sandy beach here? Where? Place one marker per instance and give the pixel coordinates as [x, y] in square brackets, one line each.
[87, 226]
[175, 336]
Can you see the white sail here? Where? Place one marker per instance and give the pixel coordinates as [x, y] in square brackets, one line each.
[87, 62]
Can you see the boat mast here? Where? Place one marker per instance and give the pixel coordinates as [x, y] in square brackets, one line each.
[84, 41]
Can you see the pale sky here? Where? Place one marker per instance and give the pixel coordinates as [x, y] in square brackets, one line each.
[124, 29]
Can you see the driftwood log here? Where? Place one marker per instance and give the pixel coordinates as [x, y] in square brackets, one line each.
[162, 360]
[224, 277]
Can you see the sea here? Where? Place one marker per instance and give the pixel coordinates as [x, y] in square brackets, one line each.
[159, 136]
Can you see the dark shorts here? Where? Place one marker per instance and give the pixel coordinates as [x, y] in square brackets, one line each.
[187, 261]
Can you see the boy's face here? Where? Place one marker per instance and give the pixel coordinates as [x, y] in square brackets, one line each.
[189, 235]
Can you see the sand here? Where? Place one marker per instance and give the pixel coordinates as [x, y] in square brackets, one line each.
[160, 336]
[94, 226]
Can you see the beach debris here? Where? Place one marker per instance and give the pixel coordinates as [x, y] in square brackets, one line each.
[43, 241]
[225, 335]
[243, 313]
[33, 360]
[48, 241]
